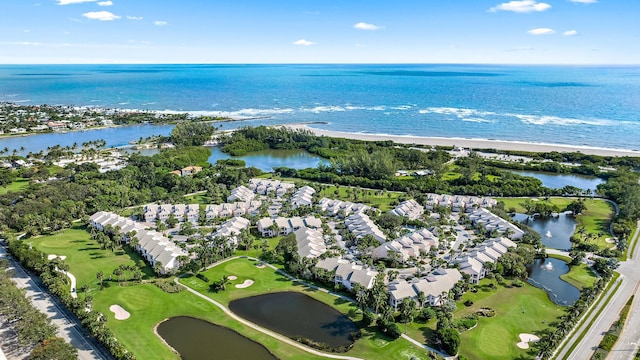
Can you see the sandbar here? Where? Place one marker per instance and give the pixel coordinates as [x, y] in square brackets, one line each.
[471, 143]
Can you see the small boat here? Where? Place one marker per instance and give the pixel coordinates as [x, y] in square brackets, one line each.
[548, 234]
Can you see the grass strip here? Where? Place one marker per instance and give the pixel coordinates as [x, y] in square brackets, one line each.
[632, 246]
[588, 313]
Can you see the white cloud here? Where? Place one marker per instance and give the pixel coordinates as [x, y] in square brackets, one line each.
[365, 26]
[541, 31]
[584, 1]
[134, 17]
[303, 42]
[105, 3]
[26, 43]
[101, 15]
[521, 48]
[521, 6]
[160, 23]
[69, 2]
[570, 33]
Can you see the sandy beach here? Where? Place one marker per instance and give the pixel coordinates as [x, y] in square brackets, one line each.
[471, 143]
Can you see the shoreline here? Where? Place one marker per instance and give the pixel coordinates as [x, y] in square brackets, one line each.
[469, 142]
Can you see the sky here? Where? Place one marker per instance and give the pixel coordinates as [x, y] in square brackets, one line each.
[320, 31]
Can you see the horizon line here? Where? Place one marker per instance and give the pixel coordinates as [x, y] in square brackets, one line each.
[328, 63]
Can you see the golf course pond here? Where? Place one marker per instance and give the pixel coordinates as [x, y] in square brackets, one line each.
[296, 316]
[558, 181]
[545, 274]
[556, 231]
[196, 339]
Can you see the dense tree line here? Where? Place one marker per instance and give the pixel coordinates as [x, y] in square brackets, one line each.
[32, 328]
[624, 189]
[57, 283]
[191, 133]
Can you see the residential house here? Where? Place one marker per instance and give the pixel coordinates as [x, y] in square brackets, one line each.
[154, 247]
[490, 222]
[341, 208]
[270, 227]
[302, 197]
[231, 228]
[360, 225]
[190, 170]
[409, 209]
[347, 273]
[241, 193]
[407, 246]
[310, 242]
[433, 287]
[267, 186]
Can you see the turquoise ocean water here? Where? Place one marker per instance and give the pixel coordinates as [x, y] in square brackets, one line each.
[593, 106]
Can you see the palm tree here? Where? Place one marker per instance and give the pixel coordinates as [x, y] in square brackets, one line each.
[361, 296]
[100, 277]
[407, 311]
[421, 298]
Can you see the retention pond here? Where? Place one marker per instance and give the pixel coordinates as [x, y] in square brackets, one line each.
[196, 339]
[296, 316]
[545, 274]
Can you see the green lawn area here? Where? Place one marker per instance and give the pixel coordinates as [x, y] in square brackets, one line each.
[518, 310]
[372, 345]
[201, 199]
[149, 305]
[375, 198]
[595, 219]
[580, 275]
[18, 184]
[84, 255]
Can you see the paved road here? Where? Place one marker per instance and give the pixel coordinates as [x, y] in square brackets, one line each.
[596, 328]
[627, 345]
[69, 327]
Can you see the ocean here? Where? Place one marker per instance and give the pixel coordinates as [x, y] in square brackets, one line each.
[584, 106]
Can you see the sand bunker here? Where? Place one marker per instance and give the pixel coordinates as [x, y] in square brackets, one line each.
[610, 240]
[525, 339]
[120, 313]
[260, 265]
[53, 256]
[232, 277]
[245, 284]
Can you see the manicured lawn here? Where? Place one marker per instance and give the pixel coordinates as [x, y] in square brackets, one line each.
[518, 310]
[84, 255]
[580, 275]
[18, 184]
[376, 198]
[595, 219]
[148, 305]
[201, 199]
[372, 345]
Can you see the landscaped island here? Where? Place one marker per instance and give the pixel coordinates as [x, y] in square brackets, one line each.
[414, 252]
